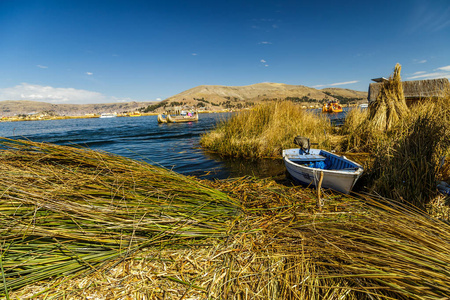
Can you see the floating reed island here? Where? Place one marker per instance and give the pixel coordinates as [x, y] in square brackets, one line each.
[81, 224]
[77, 224]
[266, 130]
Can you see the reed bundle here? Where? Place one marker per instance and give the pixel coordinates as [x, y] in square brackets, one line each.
[65, 210]
[364, 131]
[266, 130]
[390, 105]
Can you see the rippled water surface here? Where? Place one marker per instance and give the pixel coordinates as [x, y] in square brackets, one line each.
[174, 146]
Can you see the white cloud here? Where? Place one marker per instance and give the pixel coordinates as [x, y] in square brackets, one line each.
[344, 83]
[442, 72]
[430, 16]
[194, 54]
[446, 68]
[432, 75]
[50, 94]
[335, 84]
[262, 60]
[89, 73]
[42, 67]
[265, 43]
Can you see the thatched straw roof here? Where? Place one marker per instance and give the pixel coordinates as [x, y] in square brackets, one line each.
[417, 89]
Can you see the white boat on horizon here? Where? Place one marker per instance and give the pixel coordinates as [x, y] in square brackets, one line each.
[364, 105]
[305, 167]
[108, 115]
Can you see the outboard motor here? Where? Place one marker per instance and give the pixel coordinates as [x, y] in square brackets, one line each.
[303, 143]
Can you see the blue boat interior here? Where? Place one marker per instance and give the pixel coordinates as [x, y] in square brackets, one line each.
[324, 161]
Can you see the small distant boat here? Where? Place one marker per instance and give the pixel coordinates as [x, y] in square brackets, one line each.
[331, 107]
[364, 105]
[306, 165]
[135, 114]
[108, 115]
[182, 118]
[161, 119]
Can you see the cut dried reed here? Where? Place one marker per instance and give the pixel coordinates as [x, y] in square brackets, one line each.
[65, 210]
[280, 247]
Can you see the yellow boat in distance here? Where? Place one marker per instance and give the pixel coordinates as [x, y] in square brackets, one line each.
[331, 107]
[192, 117]
[135, 114]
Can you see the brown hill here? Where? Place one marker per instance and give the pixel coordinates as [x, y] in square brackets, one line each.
[216, 96]
[24, 107]
[346, 93]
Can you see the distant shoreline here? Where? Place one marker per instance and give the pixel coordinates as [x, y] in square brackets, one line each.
[96, 116]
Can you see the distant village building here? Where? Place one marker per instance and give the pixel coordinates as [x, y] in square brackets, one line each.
[414, 91]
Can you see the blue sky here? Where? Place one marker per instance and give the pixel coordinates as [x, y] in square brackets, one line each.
[108, 51]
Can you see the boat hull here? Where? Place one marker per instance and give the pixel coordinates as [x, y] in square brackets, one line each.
[341, 176]
[181, 119]
[332, 110]
[161, 119]
[332, 107]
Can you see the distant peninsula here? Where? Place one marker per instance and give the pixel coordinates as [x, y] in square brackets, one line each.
[204, 97]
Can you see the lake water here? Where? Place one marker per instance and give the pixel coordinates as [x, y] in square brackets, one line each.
[173, 145]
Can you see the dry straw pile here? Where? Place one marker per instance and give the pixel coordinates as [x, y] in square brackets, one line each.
[67, 210]
[364, 131]
[78, 224]
[390, 105]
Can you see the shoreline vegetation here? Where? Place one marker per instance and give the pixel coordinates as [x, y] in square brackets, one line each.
[44, 117]
[88, 116]
[265, 130]
[78, 223]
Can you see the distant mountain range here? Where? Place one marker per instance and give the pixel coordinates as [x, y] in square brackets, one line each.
[210, 97]
[25, 107]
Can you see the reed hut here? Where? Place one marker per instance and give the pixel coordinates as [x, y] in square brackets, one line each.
[414, 91]
[175, 110]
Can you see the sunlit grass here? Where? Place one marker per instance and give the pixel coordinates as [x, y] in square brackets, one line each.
[266, 130]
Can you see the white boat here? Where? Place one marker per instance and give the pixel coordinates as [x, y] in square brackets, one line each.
[364, 105]
[305, 166]
[108, 115]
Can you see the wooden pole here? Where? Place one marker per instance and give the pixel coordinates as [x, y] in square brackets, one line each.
[319, 186]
